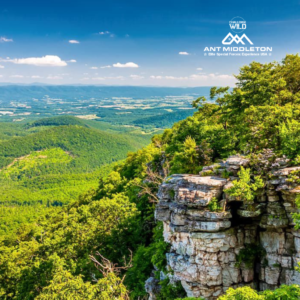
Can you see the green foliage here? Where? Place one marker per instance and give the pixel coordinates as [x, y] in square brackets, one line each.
[163, 120]
[58, 121]
[214, 205]
[296, 216]
[226, 174]
[243, 293]
[191, 157]
[249, 254]
[112, 220]
[285, 292]
[243, 189]
[72, 234]
[170, 291]
[65, 286]
[53, 166]
[92, 148]
[143, 261]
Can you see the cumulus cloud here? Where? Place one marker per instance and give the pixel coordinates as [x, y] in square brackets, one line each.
[105, 67]
[54, 77]
[221, 76]
[176, 78]
[2, 67]
[5, 40]
[136, 76]
[194, 77]
[72, 60]
[17, 76]
[183, 53]
[36, 76]
[156, 77]
[108, 78]
[94, 68]
[45, 61]
[74, 42]
[126, 65]
[199, 69]
[104, 32]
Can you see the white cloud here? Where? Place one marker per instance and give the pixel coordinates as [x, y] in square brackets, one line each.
[45, 61]
[156, 77]
[105, 67]
[194, 77]
[1, 76]
[104, 32]
[225, 76]
[94, 68]
[54, 77]
[199, 69]
[108, 78]
[16, 76]
[126, 65]
[176, 78]
[36, 76]
[5, 40]
[72, 60]
[2, 67]
[221, 76]
[198, 77]
[136, 77]
[74, 42]
[183, 53]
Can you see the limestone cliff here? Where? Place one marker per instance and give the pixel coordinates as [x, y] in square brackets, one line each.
[206, 246]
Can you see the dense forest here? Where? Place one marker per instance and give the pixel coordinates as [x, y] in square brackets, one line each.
[48, 163]
[105, 244]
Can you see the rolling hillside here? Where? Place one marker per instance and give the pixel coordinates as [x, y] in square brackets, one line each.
[90, 148]
[50, 162]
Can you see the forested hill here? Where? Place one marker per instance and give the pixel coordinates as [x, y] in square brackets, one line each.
[57, 121]
[51, 161]
[89, 148]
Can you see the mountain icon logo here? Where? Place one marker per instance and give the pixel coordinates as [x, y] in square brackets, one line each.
[229, 39]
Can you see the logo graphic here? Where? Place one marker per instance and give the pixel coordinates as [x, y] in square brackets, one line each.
[237, 24]
[229, 39]
[236, 43]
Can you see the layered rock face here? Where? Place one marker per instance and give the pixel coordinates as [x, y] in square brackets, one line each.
[206, 246]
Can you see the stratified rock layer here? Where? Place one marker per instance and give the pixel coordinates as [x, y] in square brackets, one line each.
[205, 245]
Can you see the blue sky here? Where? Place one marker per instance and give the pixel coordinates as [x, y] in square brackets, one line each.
[136, 42]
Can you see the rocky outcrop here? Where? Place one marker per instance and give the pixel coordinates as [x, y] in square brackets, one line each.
[212, 251]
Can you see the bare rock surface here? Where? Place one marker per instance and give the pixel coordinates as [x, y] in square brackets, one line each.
[206, 245]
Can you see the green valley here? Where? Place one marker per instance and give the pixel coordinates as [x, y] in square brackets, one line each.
[50, 162]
